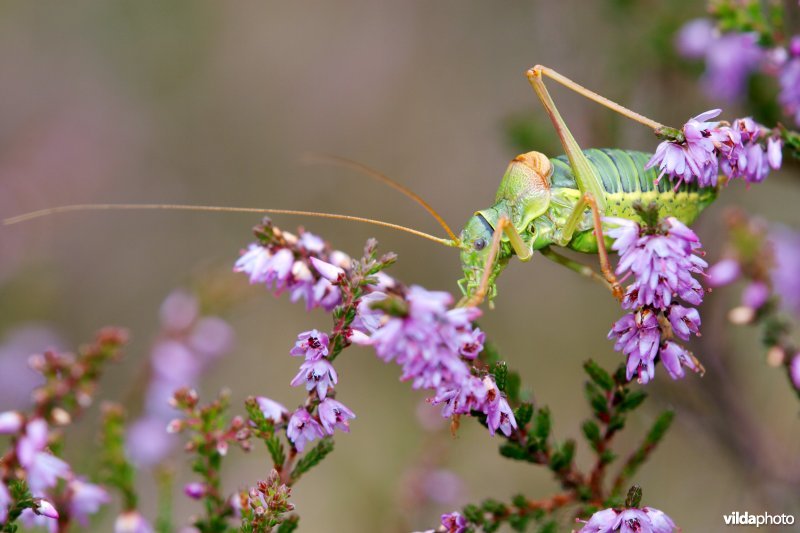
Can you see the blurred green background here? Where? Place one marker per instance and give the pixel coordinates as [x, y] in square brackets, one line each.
[206, 102]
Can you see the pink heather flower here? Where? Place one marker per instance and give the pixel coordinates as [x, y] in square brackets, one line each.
[147, 442]
[675, 357]
[254, 263]
[498, 412]
[44, 469]
[211, 337]
[311, 243]
[785, 279]
[303, 428]
[790, 88]
[359, 337]
[600, 522]
[334, 415]
[5, 501]
[272, 410]
[132, 522]
[312, 345]
[632, 521]
[179, 311]
[340, 259]
[647, 520]
[273, 270]
[660, 522]
[327, 270]
[10, 422]
[85, 499]
[774, 153]
[745, 155]
[724, 272]
[194, 490]
[473, 345]
[694, 159]
[367, 319]
[320, 293]
[470, 395]
[685, 321]
[45, 508]
[694, 38]
[730, 60]
[794, 371]
[454, 522]
[755, 295]
[319, 375]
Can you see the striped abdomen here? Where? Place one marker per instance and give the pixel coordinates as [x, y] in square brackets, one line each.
[625, 182]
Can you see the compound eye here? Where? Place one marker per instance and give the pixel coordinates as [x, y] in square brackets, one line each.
[480, 244]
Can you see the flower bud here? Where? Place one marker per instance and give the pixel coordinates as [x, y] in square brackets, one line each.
[195, 490]
[775, 356]
[222, 447]
[60, 417]
[175, 426]
[10, 422]
[131, 522]
[327, 270]
[45, 508]
[741, 315]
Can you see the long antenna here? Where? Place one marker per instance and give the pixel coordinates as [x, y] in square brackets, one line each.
[374, 174]
[179, 207]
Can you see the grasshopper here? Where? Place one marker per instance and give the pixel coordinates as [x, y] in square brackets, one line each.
[545, 202]
[541, 203]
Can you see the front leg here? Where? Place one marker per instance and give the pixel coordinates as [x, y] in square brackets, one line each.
[523, 251]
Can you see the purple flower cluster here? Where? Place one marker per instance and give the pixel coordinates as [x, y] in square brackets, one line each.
[454, 522]
[786, 254]
[645, 520]
[731, 58]
[434, 345]
[764, 275]
[319, 377]
[662, 263]
[789, 79]
[707, 148]
[43, 473]
[285, 264]
[303, 267]
[42, 468]
[316, 372]
[187, 345]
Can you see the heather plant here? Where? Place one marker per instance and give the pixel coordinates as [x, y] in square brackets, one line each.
[651, 261]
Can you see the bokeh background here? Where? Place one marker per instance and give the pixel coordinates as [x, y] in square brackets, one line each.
[207, 102]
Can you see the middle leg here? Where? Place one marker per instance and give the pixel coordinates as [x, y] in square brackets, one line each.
[587, 200]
